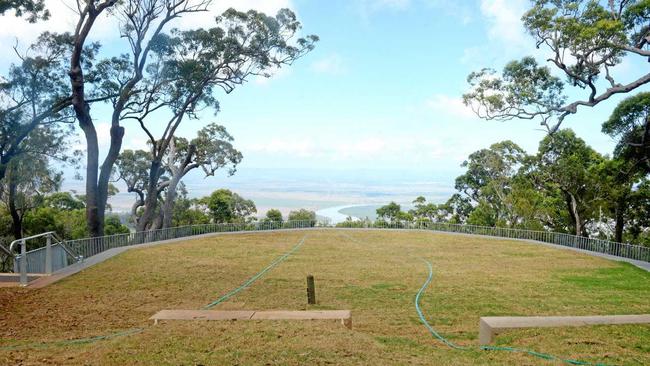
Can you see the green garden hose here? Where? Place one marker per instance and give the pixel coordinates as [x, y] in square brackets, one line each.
[450, 344]
[139, 330]
[73, 341]
[251, 280]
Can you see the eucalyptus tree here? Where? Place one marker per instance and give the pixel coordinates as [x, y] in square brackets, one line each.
[488, 180]
[210, 151]
[587, 41]
[226, 206]
[34, 100]
[29, 178]
[273, 215]
[303, 215]
[429, 211]
[190, 65]
[141, 23]
[638, 214]
[131, 168]
[391, 212]
[34, 10]
[630, 124]
[459, 208]
[565, 163]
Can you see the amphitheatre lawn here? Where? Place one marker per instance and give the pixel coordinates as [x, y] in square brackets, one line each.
[376, 274]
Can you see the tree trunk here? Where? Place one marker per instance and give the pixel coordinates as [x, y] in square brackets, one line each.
[136, 205]
[3, 171]
[151, 200]
[572, 204]
[93, 218]
[157, 221]
[88, 15]
[117, 135]
[170, 199]
[621, 206]
[16, 219]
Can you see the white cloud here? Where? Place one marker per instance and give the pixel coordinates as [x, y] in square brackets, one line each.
[63, 19]
[458, 9]
[391, 4]
[276, 73]
[331, 65]
[450, 106]
[207, 19]
[507, 38]
[103, 133]
[368, 148]
[504, 21]
[302, 147]
[366, 8]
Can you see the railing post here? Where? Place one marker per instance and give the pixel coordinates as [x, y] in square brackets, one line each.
[23, 263]
[48, 254]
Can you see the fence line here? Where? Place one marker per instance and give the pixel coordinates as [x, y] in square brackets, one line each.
[91, 246]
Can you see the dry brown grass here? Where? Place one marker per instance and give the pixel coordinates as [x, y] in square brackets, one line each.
[374, 273]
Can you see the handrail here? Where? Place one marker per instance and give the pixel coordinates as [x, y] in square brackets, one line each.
[11, 246]
[61, 243]
[22, 258]
[51, 234]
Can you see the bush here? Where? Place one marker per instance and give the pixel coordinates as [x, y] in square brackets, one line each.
[303, 215]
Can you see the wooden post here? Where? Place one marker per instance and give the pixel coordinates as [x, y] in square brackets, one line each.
[311, 290]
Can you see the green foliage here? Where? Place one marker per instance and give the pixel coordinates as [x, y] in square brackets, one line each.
[34, 9]
[638, 214]
[113, 226]
[390, 212]
[226, 206]
[565, 163]
[630, 124]
[586, 40]
[303, 215]
[189, 212]
[273, 215]
[488, 180]
[429, 212]
[64, 201]
[213, 150]
[459, 208]
[522, 91]
[351, 223]
[67, 224]
[483, 215]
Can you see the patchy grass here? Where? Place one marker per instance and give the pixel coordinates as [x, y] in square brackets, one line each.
[374, 273]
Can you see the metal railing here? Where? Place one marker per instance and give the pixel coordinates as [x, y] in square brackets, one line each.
[84, 248]
[40, 260]
[630, 251]
[90, 246]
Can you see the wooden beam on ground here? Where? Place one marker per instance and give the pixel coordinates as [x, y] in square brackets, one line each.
[345, 316]
[492, 325]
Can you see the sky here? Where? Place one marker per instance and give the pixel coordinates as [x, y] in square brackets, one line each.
[381, 92]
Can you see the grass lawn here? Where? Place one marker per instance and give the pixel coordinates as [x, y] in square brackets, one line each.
[376, 274]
